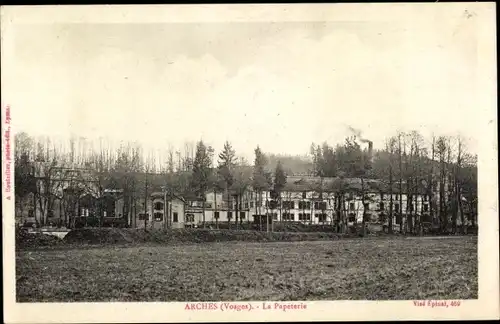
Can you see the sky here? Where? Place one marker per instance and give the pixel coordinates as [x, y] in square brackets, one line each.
[280, 85]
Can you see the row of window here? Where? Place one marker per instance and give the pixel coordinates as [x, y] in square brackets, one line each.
[321, 205]
[322, 217]
[230, 215]
[318, 205]
[351, 196]
[158, 217]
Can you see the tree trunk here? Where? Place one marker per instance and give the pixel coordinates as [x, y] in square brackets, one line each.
[400, 211]
[430, 185]
[267, 212]
[273, 208]
[257, 208]
[344, 213]
[462, 216]
[229, 209]
[215, 210]
[236, 211]
[409, 203]
[242, 209]
[363, 220]
[203, 209]
[281, 208]
[391, 202]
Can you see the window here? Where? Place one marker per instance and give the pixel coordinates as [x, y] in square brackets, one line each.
[351, 206]
[426, 207]
[158, 206]
[396, 208]
[143, 216]
[251, 204]
[176, 217]
[398, 219]
[158, 217]
[367, 206]
[216, 215]
[411, 207]
[190, 218]
[304, 195]
[288, 204]
[273, 204]
[287, 217]
[304, 205]
[304, 217]
[319, 205]
[381, 206]
[246, 205]
[229, 215]
[31, 213]
[351, 218]
[321, 218]
[242, 215]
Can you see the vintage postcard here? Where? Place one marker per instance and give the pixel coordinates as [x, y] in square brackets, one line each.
[229, 163]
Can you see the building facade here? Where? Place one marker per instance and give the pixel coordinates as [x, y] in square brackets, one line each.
[161, 212]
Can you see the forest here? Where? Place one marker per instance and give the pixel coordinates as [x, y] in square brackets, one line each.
[406, 163]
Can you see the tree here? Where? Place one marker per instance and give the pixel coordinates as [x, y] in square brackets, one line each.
[442, 148]
[358, 165]
[383, 169]
[23, 178]
[225, 169]
[100, 167]
[260, 180]
[170, 161]
[218, 186]
[279, 184]
[241, 181]
[201, 173]
[467, 178]
[124, 176]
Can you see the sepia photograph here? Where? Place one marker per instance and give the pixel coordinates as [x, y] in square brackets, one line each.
[250, 166]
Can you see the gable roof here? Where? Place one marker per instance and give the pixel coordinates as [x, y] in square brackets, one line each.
[309, 183]
[162, 194]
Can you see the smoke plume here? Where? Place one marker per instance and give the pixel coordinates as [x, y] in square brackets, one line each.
[358, 135]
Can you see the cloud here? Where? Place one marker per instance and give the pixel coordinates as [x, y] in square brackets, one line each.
[282, 91]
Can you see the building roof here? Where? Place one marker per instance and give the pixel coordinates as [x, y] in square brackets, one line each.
[162, 194]
[328, 184]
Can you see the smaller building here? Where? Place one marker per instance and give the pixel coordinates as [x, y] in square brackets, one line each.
[162, 212]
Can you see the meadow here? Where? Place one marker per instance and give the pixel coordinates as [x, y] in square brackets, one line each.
[386, 268]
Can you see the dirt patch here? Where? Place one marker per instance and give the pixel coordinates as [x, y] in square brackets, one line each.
[385, 269]
[125, 236]
[98, 236]
[25, 240]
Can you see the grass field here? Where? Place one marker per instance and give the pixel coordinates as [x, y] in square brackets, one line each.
[350, 269]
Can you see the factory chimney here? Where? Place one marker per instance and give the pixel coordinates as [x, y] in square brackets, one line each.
[370, 151]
